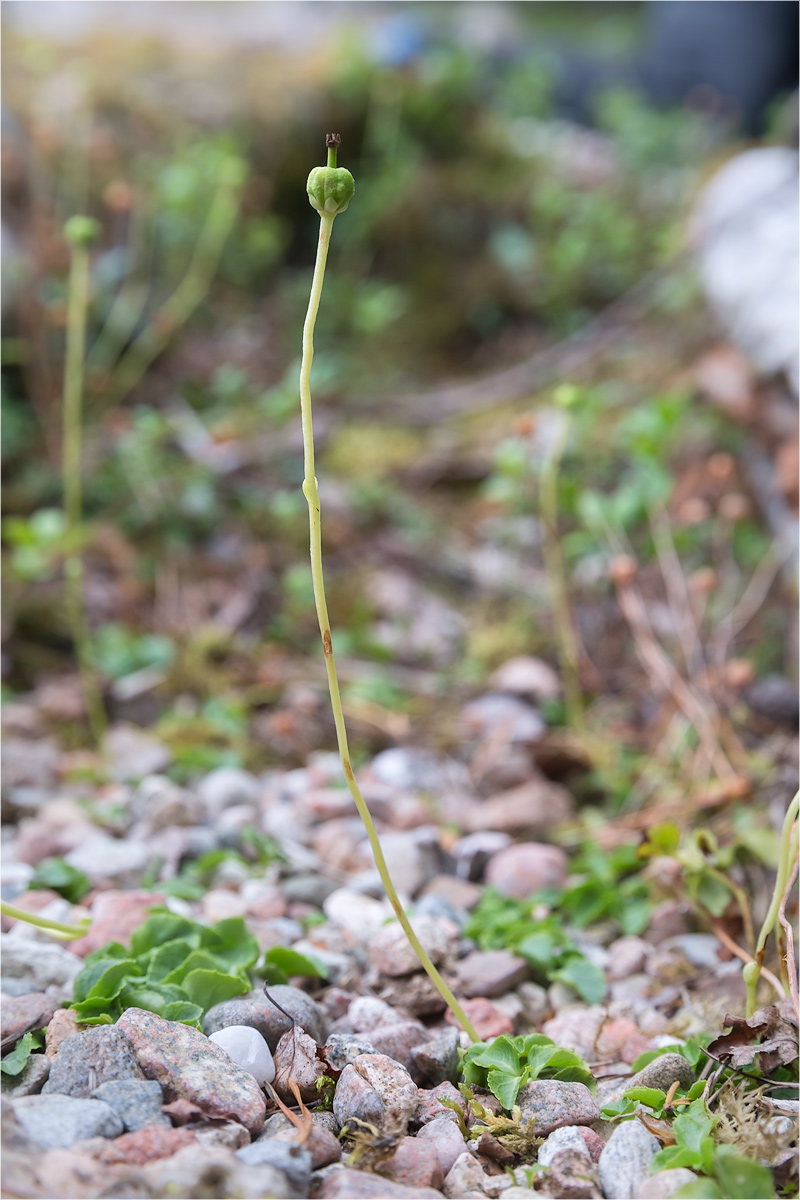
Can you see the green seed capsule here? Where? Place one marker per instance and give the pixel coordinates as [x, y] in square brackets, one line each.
[330, 188]
[81, 231]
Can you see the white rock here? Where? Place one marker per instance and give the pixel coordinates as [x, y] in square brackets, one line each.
[226, 786]
[247, 1047]
[568, 1137]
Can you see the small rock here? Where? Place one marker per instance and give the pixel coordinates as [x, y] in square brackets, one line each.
[31, 1078]
[417, 994]
[413, 1164]
[247, 1047]
[359, 916]
[447, 1141]
[551, 1103]
[701, 949]
[502, 718]
[137, 1102]
[368, 1012]
[664, 1184]
[526, 868]
[57, 1122]
[323, 1145]
[774, 697]
[97, 1055]
[460, 895]
[490, 972]
[391, 953]
[532, 807]
[229, 1134]
[535, 1003]
[576, 1028]
[527, 676]
[437, 1060]
[115, 915]
[625, 1161]
[566, 1137]
[669, 919]
[161, 805]
[307, 888]
[487, 1021]
[218, 904]
[132, 753]
[660, 1073]
[378, 1090]
[293, 1160]
[212, 1171]
[466, 1177]
[342, 1048]
[38, 965]
[256, 1010]
[30, 1011]
[595, 1144]
[628, 956]
[188, 1065]
[114, 860]
[472, 852]
[572, 1176]
[408, 769]
[63, 1024]
[348, 1184]
[431, 1108]
[225, 787]
[146, 1145]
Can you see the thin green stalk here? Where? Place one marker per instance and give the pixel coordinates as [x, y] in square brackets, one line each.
[311, 493]
[787, 855]
[67, 932]
[557, 579]
[80, 232]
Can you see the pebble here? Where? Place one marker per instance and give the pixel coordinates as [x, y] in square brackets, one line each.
[495, 715]
[225, 787]
[566, 1137]
[391, 953]
[413, 1164]
[342, 1048]
[112, 860]
[669, 919]
[664, 1184]
[145, 1145]
[221, 1133]
[132, 753]
[447, 1141]
[551, 1103]
[247, 1047]
[63, 1024]
[161, 804]
[359, 916]
[323, 1145]
[378, 1090]
[487, 1021]
[527, 867]
[213, 1171]
[37, 966]
[571, 1176]
[627, 956]
[576, 1028]
[535, 1002]
[701, 949]
[368, 1012]
[97, 1055]
[408, 768]
[257, 1011]
[437, 1060]
[137, 1102]
[430, 1108]
[346, 1183]
[490, 973]
[293, 1160]
[466, 1177]
[30, 1011]
[115, 915]
[31, 1078]
[525, 675]
[417, 994]
[308, 888]
[57, 1122]
[533, 807]
[188, 1065]
[625, 1161]
[399, 1041]
[413, 857]
[447, 895]
[660, 1073]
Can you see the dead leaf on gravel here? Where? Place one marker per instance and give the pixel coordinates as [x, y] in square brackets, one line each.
[296, 1060]
[767, 1034]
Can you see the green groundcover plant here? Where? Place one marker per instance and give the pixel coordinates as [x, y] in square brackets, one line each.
[505, 1064]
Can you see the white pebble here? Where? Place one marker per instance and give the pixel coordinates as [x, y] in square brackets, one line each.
[247, 1047]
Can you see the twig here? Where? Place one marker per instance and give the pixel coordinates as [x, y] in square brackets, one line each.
[741, 954]
[791, 965]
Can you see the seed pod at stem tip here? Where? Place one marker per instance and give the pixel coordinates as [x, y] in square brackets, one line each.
[81, 231]
[330, 188]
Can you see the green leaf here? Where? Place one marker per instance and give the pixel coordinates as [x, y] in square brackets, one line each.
[160, 927]
[693, 1126]
[575, 1075]
[282, 960]
[15, 1062]
[648, 1056]
[617, 1108]
[702, 1189]
[540, 1057]
[505, 1087]
[97, 1012]
[208, 988]
[102, 978]
[675, 1156]
[501, 1054]
[58, 875]
[697, 1089]
[633, 917]
[740, 1178]
[653, 1097]
[198, 960]
[712, 894]
[231, 943]
[538, 949]
[167, 959]
[185, 1012]
[111, 950]
[154, 997]
[532, 1039]
[587, 979]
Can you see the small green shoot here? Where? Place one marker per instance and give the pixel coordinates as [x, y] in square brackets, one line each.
[57, 875]
[16, 1061]
[505, 1064]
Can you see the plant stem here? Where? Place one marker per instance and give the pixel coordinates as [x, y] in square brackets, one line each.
[787, 855]
[557, 579]
[68, 932]
[73, 486]
[311, 494]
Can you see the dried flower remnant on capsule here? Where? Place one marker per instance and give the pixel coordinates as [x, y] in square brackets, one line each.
[330, 188]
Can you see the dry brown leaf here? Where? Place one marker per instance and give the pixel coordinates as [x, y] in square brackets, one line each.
[767, 1034]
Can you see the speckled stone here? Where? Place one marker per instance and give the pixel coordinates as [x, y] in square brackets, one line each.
[572, 1176]
[490, 973]
[378, 1090]
[447, 1141]
[57, 1122]
[368, 1012]
[323, 1145]
[551, 1103]
[430, 1107]
[466, 1177]
[664, 1184]
[342, 1048]
[31, 1011]
[293, 1160]
[660, 1073]
[255, 1010]
[137, 1102]
[348, 1184]
[625, 1162]
[96, 1055]
[566, 1137]
[188, 1065]
[399, 1042]
[391, 953]
[414, 1164]
[63, 1024]
[146, 1145]
[212, 1171]
[437, 1059]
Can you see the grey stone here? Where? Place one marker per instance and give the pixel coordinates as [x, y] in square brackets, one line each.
[308, 888]
[551, 1103]
[490, 973]
[257, 1011]
[391, 953]
[368, 1012]
[227, 786]
[278, 1123]
[113, 860]
[625, 1161]
[342, 1048]
[434, 904]
[660, 1073]
[36, 966]
[377, 1090]
[31, 1078]
[535, 1002]
[294, 1161]
[398, 1041]
[214, 1171]
[567, 1137]
[437, 1059]
[466, 1177]
[57, 1122]
[664, 1184]
[446, 1139]
[132, 753]
[137, 1102]
[346, 1183]
[94, 1056]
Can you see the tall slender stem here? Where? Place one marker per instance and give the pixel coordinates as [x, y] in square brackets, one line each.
[73, 485]
[787, 856]
[311, 494]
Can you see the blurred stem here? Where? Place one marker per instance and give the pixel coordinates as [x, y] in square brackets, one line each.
[186, 298]
[787, 856]
[67, 932]
[311, 494]
[557, 578]
[73, 486]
